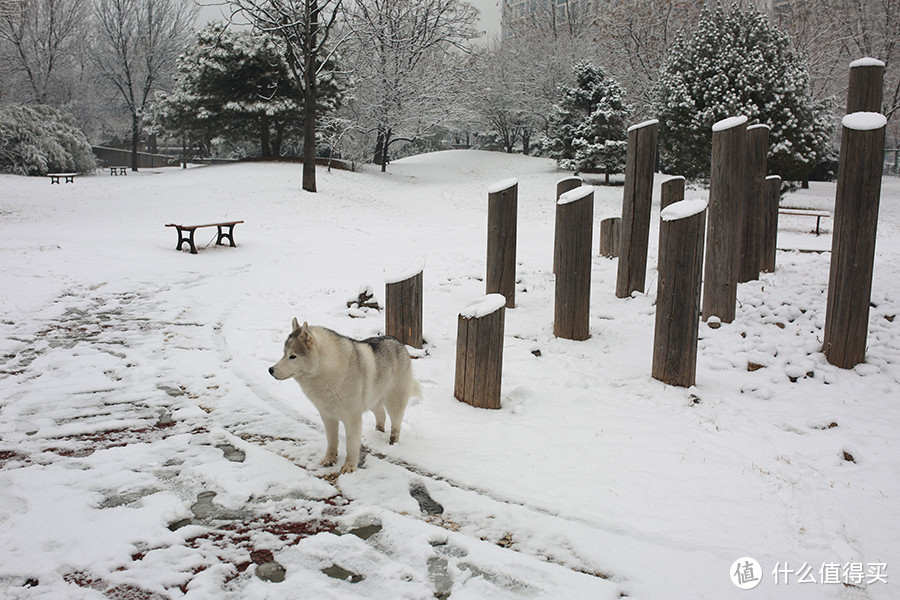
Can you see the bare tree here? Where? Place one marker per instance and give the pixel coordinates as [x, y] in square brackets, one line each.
[137, 43]
[411, 60]
[303, 27]
[40, 36]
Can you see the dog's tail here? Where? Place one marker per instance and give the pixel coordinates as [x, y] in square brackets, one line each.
[415, 390]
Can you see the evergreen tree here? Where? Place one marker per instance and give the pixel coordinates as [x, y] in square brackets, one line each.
[236, 85]
[738, 63]
[587, 127]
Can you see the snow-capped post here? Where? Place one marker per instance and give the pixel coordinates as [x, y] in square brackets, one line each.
[562, 186]
[571, 313]
[866, 86]
[723, 221]
[501, 240]
[753, 213]
[479, 352]
[671, 191]
[610, 236]
[770, 226]
[403, 306]
[640, 162]
[853, 241]
[681, 232]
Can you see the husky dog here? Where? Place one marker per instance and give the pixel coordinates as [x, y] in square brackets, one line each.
[344, 378]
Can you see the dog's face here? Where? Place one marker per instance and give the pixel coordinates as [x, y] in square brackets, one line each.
[297, 357]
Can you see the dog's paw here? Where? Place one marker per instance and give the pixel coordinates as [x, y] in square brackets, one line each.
[347, 468]
[328, 461]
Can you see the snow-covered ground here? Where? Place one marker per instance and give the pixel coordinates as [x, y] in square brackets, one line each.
[145, 452]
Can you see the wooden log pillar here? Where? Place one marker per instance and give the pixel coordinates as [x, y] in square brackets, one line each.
[770, 225]
[866, 89]
[501, 240]
[753, 213]
[479, 352]
[610, 236]
[564, 185]
[640, 162]
[571, 313]
[853, 241]
[403, 307]
[723, 230]
[671, 191]
[681, 233]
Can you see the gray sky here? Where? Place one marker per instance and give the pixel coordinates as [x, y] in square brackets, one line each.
[490, 14]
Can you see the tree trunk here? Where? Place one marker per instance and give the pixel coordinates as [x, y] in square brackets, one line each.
[135, 139]
[384, 153]
[265, 146]
[309, 132]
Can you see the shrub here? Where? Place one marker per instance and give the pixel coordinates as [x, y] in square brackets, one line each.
[41, 139]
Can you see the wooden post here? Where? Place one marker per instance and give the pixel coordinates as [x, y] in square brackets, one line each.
[640, 163]
[723, 231]
[610, 236]
[681, 232]
[564, 185]
[770, 226]
[571, 314]
[501, 240]
[853, 241]
[753, 212]
[671, 191]
[403, 307]
[866, 88]
[479, 352]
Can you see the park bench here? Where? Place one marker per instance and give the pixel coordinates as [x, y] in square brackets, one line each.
[818, 214]
[67, 177]
[118, 170]
[186, 233]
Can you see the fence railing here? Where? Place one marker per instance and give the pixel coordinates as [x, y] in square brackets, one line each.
[892, 161]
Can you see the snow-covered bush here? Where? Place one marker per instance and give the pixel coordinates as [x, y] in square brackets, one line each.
[40, 139]
[587, 127]
[738, 63]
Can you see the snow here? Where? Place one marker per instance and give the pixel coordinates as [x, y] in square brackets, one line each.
[145, 451]
[729, 123]
[644, 124]
[502, 185]
[864, 121]
[482, 307]
[576, 194]
[683, 209]
[866, 62]
[402, 273]
[758, 126]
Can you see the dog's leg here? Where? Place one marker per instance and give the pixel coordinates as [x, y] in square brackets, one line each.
[331, 435]
[379, 417]
[353, 429]
[396, 407]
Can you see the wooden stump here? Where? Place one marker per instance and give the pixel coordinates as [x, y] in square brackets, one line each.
[723, 233]
[564, 185]
[866, 88]
[571, 315]
[640, 163]
[671, 191]
[853, 241]
[770, 225]
[479, 352]
[753, 213]
[610, 236]
[403, 308]
[501, 240]
[681, 232]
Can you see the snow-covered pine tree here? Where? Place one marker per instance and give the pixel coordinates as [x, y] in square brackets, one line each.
[738, 63]
[587, 127]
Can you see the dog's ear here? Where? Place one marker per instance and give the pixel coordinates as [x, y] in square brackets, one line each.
[295, 325]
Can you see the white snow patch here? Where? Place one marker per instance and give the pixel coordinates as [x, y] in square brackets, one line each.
[483, 306]
[502, 185]
[867, 62]
[683, 209]
[576, 194]
[647, 123]
[864, 121]
[729, 123]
